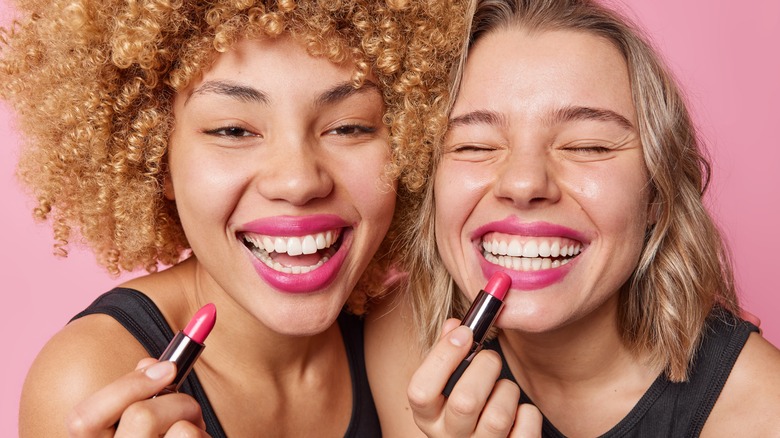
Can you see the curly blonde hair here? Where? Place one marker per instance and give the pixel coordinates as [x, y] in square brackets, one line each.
[684, 268]
[92, 82]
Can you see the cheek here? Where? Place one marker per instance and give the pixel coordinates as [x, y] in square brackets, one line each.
[205, 186]
[616, 200]
[373, 192]
[458, 188]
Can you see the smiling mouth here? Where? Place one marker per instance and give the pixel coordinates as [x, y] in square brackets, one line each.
[295, 254]
[529, 254]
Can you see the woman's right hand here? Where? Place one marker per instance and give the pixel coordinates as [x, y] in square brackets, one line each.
[479, 405]
[126, 407]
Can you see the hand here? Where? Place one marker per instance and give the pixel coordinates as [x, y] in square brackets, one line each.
[128, 401]
[478, 405]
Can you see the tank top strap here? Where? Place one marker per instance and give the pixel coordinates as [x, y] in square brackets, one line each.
[364, 421]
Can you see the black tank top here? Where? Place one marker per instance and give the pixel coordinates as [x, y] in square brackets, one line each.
[671, 409]
[141, 317]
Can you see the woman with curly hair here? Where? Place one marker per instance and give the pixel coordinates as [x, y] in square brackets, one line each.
[260, 149]
[571, 165]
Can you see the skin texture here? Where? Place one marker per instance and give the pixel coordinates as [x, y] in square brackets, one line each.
[234, 160]
[510, 158]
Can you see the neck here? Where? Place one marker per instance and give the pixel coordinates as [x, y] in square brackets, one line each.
[239, 342]
[587, 352]
[568, 371]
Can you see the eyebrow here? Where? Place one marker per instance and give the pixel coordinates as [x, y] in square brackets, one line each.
[231, 89]
[478, 117]
[246, 93]
[573, 113]
[561, 115]
[342, 91]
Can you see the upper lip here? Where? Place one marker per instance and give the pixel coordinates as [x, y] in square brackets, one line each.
[291, 226]
[512, 225]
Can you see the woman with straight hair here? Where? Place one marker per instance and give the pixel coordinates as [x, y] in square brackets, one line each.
[571, 164]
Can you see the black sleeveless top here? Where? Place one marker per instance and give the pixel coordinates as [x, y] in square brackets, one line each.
[671, 409]
[141, 317]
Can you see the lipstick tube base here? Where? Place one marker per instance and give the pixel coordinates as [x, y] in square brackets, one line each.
[183, 352]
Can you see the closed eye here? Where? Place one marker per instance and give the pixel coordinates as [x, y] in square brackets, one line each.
[589, 149]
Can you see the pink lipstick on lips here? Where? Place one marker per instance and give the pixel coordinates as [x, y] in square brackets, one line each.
[527, 280]
[290, 226]
[186, 346]
[479, 318]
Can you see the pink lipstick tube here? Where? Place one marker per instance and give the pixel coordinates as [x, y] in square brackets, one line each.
[186, 346]
[479, 318]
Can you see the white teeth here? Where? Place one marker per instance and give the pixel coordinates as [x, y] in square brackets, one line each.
[320, 241]
[514, 249]
[268, 244]
[268, 261]
[530, 249]
[309, 245]
[555, 249]
[261, 246]
[530, 254]
[294, 246]
[544, 249]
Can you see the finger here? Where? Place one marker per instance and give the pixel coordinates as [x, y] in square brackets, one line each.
[448, 326]
[498, 416]
[156, 416]
[425, 386]
[528, 422]
[470, 395]
[102, 410]
[145, 362]
[185, 429]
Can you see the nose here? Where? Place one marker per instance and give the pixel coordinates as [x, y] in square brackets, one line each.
[527, 179]
[296, 174]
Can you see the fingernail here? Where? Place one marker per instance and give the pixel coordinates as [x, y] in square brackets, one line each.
[159, 370]
[460, 336]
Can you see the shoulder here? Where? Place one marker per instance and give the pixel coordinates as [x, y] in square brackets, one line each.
[393, 353]
[84, 356]
[750, 401]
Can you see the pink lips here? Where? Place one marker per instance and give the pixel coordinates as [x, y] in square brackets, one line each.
[316, 279]
[527, 280]
[291, 226]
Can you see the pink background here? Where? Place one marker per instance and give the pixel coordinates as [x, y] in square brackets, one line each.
[725, 54]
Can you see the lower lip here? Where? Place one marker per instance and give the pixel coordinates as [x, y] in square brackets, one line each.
[312, 281]
[527, 280]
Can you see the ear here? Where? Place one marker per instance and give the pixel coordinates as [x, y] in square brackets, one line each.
[168, 187]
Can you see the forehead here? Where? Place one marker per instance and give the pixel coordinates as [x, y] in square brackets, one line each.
[553, 67]
[264, 56]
